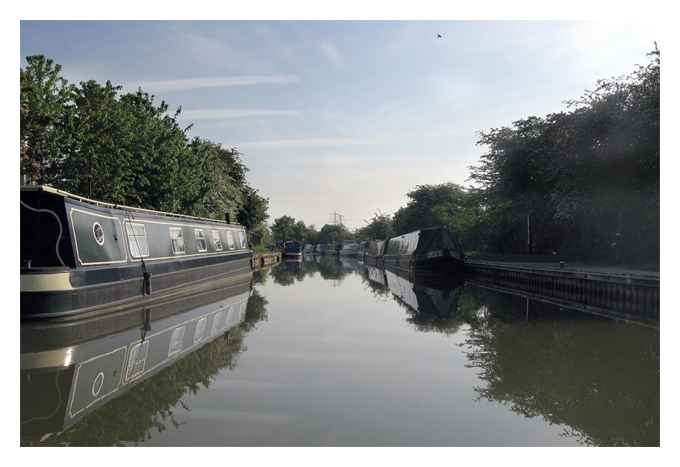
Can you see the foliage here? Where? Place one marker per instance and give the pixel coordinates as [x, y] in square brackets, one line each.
[254, 209]
[44, 105]
[332, 233]
[287, 228]
[282, 229]
[586, 180]
[379, 227]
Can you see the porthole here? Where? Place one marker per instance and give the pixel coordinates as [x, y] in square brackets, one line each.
[98, 233]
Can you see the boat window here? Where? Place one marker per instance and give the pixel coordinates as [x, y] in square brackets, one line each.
[217, 241]
[230, 240]
[201, 242]
[242, 238]
[177, 239]
[137, 241]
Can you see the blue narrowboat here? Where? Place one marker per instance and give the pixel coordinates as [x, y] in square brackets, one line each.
[292, 249]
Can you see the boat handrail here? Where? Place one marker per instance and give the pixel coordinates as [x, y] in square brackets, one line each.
[65, 194]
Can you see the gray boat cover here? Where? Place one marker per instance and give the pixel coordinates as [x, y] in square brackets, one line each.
[420, 242]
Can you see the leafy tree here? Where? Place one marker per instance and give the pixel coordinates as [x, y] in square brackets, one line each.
[584, 182]
[312, 235]
[45, 104]
[283, 228]
[435, 205]
[379, 227]
[254, 209]
[299, 231]
[333, 234]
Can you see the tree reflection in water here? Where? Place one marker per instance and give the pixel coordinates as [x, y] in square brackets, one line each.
[329, 267]
[597, 377]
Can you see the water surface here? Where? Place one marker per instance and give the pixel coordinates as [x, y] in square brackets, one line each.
[334, 352]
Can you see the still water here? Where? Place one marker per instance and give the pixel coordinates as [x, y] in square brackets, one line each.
[330, 352]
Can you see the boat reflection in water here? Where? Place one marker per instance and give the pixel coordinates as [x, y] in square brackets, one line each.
[71, 372]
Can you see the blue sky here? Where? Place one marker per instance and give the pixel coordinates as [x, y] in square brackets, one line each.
[346, 116]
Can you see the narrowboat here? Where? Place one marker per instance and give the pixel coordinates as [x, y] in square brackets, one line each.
[349, 249]
[308, 250]
[375, 252]
[292, 250]
[81, 256]
[435, 249]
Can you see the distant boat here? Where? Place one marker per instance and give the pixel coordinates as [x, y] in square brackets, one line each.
[349, 249]
[84, 256]
[435, 249]
[292, 249]
[363, 249]
[324, 249]
[375, 252]
[308, 250]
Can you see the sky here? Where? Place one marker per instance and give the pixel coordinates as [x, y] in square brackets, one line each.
[346, 117]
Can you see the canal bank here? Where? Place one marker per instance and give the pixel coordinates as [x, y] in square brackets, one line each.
[632, 293]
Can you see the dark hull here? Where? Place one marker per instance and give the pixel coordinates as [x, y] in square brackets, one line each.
[441, 265]
[102, 290]
[287, 254]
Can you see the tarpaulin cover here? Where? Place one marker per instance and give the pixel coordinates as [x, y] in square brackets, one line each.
[422, 241]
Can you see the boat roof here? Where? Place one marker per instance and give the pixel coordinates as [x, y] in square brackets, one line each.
[65, 194]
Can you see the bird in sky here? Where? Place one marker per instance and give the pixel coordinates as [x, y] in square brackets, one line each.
[439, 36]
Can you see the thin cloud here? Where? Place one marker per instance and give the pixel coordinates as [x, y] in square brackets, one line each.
[304, 143]
[214, 82]
[224, 114]
[332, 54]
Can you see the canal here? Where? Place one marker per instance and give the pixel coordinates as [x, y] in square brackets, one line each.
[331, 352]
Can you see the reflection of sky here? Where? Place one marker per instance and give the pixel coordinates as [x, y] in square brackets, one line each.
[337, 365]
[346, 116]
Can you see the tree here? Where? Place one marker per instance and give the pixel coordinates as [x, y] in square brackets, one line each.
[379, 227]
[312, 235]
[585, 180]
[333, 234]
[45, 103]
[418, 212]
[253, 211]
[299, 231]
[282, 229]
